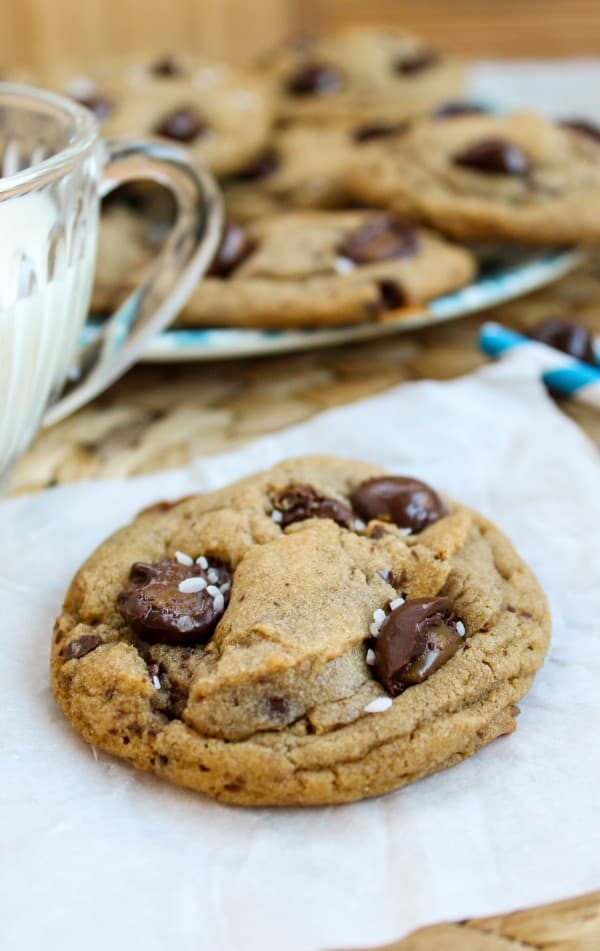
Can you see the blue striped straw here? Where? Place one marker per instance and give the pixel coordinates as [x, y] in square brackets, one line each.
[562, 373]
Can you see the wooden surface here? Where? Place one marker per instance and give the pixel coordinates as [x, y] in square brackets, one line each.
[572, 925]
[160, 417]
[42, 32]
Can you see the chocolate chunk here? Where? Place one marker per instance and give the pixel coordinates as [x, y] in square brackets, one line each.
[160, 612]
[167, 66]
[81, 646]
[391, 295]
[366, 133]
[494, 157]
[314, 79]
[299, 502]
[234, 248]
[414, 641]
[263, 166]
[184, 125]
[99, 104]
[456, 107]
[380, 238]
[584, 127]
[417, 63]
[407, 502]
[278, 707]
[567, 336]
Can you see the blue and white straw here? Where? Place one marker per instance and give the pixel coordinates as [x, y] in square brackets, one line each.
[562, 373]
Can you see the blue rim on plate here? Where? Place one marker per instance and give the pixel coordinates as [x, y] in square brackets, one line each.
[508, 275]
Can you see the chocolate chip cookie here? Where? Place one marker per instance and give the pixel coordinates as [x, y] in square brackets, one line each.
[360, 74]
[304, 166]
[517, 177]
[309, 269]
[222, 113]
[317, 633]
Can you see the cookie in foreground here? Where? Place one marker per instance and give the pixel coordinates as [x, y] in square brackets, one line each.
[317, 633]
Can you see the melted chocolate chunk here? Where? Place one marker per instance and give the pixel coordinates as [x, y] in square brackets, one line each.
[366, 133]
[381, 238]
[314, 79]
[167, 66]
[567, 336]
[452, 108]
[81, 646]
[415, 640]
[406, 502]
[391, 295]
[99, 104]
[584, 127]
[263, 166]
[417, 63]
[234, 248]
[494, 157]
[183, 125]
[299, 502]
[159, 612]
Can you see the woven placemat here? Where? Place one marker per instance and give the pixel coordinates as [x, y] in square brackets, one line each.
[161, 416]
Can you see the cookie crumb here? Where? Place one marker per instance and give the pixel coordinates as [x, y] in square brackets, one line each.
[379, 705]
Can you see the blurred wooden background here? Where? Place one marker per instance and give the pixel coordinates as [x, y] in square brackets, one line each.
[45, 31]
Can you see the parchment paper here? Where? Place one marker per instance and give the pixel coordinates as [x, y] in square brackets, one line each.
[97, 856]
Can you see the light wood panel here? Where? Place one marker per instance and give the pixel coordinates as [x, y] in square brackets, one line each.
[45, 31]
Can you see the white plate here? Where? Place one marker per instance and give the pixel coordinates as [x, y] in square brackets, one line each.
[518, 272]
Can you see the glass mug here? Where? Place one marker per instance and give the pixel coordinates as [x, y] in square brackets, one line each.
[54, 170]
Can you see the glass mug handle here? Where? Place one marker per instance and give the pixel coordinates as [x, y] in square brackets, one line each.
[183, 260]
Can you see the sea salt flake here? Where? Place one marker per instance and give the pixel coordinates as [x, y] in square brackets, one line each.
[212, 575]
[379, 616]
[192, 585]
[184, 559]
[460, 628]
[202, 562]
[277, 516]
[396, 603]
[156, 682]
[379, 705]
[370, 658]
[343, 265]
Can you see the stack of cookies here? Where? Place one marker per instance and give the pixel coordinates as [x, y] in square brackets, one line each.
[355, 177]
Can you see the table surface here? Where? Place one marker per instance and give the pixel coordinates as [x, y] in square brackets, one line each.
[161, 416]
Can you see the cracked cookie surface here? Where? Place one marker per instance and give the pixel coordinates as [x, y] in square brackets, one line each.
[278, 700]
[518, 177]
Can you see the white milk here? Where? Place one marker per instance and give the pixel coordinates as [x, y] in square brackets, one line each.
[38, 333]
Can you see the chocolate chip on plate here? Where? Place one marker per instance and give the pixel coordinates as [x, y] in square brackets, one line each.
[299, 502]
[261, 167]
[184, 125]
[314, 79]
[583, 126]
[494, 157]
[567, 336]
[379, 130]
[167, 66]
[172, 603]
[414, 641]
[457, 107]
[235, 247]
[417, 63]
[381, 238]
[408, 503]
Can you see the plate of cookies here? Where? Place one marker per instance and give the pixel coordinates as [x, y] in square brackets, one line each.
[364, 193]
